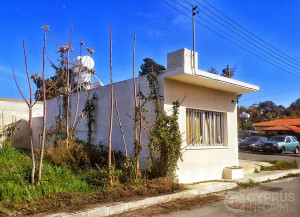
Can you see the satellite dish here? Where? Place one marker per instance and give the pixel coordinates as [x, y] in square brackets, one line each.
[244, 115]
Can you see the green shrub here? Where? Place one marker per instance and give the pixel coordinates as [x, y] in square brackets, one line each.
[128, 174]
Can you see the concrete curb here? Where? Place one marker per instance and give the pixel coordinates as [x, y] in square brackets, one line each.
[195, 190]
[203, 188]
[267, 175]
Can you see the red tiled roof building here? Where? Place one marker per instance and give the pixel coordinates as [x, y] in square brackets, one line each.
[282, 126]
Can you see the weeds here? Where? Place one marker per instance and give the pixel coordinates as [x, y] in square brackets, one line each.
[15, 168]
[250, 183]
[280, 165]
[291, 175]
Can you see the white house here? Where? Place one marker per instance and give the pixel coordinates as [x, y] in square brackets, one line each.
[207, 116]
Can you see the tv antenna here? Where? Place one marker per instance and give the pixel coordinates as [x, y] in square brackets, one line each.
[194, 12]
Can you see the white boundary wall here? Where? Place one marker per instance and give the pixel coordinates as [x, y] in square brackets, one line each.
[15, 109]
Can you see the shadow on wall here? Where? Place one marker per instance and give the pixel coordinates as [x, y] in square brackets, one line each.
[20, 137]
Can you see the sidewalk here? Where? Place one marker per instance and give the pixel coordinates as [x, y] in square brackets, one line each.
[193, 190]
[249, 172]
[267, 175]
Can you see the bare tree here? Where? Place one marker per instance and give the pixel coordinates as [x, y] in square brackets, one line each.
[30, 105]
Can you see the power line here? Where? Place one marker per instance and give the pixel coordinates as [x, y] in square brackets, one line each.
[189, 3]
[179, 4]
[278, 93]
[238, 46]
[247, 35]
[247, 30]
[247, 39]
[230, 39]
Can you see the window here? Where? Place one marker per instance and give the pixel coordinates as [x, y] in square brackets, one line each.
[204, 128]
[295, 138]
[263, 139]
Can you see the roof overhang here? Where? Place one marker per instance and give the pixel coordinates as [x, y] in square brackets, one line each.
[209, 80]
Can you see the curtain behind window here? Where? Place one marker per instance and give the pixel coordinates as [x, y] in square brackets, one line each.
[204, 128]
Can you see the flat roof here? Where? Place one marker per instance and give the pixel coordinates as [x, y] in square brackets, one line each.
[210, 80]
[17, 100]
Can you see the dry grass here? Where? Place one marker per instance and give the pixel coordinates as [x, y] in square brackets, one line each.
[280, 165]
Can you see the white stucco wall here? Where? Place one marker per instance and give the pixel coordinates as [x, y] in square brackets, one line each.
[204, 163]
[125, 99]
[15, 109]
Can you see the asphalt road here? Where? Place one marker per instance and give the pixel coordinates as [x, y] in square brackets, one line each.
[277, 198]
[247, 155]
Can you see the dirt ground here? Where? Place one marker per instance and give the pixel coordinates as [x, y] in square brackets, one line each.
[181, 204]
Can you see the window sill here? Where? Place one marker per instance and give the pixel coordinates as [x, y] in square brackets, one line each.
[205, 147]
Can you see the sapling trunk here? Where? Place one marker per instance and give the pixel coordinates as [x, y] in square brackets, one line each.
[68, 100]
[140, 137]
[31, 145]
[111, 109]
[120, 124]
[134, 93]
[45, 118]
[77, 89]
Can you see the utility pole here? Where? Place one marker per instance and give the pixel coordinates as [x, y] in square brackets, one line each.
[194, 12]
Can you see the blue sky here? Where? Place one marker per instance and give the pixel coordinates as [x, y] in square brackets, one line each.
[160, 29]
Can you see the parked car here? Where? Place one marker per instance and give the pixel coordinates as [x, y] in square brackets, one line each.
[253, 143]
[281, 144]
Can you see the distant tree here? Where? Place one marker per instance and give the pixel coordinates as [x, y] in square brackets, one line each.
[268, 107]
[57, 82]
[255, 115]
[228, 72]
[147, 66]
[213, 70]
[241, 109]
[281, 108]
[295, 105]
[290, 113]
[270, 111]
